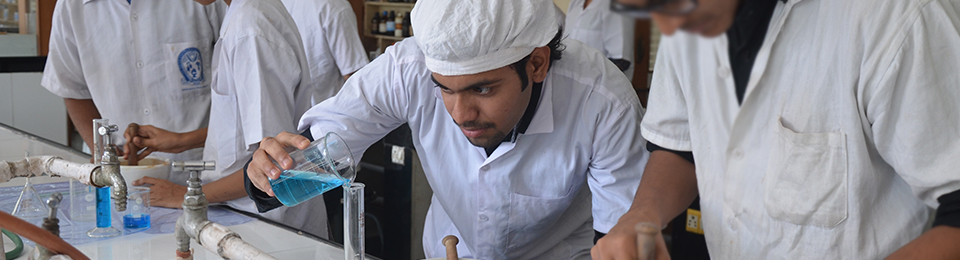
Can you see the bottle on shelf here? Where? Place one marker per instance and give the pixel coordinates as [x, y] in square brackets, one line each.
[398, 31]
[407, 28]
[383, 23]
[391, 23]
[375, 24]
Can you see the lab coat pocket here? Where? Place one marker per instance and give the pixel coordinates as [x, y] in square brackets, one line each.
[532, 216]
[187, 66]
[806, 180]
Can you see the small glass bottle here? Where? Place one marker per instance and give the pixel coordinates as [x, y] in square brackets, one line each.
[383, 23]
[398, 31]
[391, 23]
[408, 27]
[375, 24]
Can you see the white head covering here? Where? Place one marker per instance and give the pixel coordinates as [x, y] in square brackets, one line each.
[461, 37]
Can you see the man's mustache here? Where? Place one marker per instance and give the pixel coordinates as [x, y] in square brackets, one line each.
[474, 124]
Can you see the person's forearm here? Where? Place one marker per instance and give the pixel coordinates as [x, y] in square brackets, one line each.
[941, 242]
[193, 139]
[668, 186]
[226, 188]
[82, 113]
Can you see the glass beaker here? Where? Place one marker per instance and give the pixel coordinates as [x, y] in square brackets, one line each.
[137, 215]
[83, 202]
[324, 165]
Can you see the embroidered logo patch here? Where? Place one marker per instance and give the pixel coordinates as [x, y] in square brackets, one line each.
[191, 66]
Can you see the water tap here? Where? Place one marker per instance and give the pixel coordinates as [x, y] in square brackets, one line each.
[194, 216]
[109, 173]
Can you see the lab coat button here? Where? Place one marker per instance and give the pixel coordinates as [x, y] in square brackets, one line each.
[139, 64]
[484, 218]
[733, 224]
[133, 17]
[146, 111]
[723, 72]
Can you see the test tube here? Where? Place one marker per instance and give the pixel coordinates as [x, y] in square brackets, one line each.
[353, 221]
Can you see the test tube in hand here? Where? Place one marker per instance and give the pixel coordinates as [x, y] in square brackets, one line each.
[450, 242]
[646, 240]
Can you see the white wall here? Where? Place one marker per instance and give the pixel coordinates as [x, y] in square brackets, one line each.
[18, 45]
[6, 100]
[563, 4]
[27, 106]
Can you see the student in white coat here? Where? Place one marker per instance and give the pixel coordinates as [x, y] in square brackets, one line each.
[530, 143]
[330, 40]
[260, 88]
[333, 49]
[134, 61]
[821, 130]
[592, 22]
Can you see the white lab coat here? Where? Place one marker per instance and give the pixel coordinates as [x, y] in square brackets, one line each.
[602, 29]
[847, 135]
[331, 42]
[146, 62]
[259, 90]
[528, 200]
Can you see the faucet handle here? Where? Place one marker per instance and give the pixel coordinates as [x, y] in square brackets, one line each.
[108, 129]
[53, 202]
[194, 165]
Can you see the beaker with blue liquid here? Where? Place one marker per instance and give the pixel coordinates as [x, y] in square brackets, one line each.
[324, 165]
[137, 215]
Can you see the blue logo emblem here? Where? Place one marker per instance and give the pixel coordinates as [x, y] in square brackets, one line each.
[191, 66]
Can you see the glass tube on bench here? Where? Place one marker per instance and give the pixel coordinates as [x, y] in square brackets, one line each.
[353, 221]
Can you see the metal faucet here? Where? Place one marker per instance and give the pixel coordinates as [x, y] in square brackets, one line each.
[194, 217]
[109, 172]
[193, 223]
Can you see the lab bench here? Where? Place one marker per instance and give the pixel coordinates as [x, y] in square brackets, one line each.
[273, 238]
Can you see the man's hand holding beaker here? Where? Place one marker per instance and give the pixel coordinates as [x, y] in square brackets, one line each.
[261, 169]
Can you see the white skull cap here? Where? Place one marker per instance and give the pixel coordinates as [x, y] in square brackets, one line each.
[460, 37]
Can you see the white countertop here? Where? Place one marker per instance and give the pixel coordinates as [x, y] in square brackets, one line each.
[272, 239]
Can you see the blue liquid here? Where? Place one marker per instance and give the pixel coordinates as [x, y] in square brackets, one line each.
[103, 207]
[136, 221]
[294, 187]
